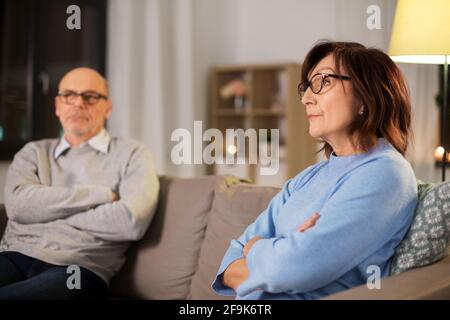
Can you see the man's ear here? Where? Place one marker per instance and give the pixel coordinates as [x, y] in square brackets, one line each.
[56, 106]
[108, 108]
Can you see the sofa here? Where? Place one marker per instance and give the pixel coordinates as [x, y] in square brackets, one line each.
[194, 222]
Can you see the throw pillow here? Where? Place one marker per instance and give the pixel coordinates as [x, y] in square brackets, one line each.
[236, 205]
[428, 238]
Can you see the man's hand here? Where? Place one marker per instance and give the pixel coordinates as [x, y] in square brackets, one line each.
[235, 274]
[250, 244]
[309, 223]
[115, 196]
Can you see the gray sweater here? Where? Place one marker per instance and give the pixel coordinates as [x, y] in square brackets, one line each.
[59, 202]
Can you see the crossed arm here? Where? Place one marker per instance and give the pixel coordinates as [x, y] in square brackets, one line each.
[30, 197]
[112, 216]
[237, 272]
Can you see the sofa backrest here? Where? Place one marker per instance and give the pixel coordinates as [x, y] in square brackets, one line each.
[236, 205]
[162, 263]
[181, 252]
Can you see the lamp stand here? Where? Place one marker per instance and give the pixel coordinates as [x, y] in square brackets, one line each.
[444, 118]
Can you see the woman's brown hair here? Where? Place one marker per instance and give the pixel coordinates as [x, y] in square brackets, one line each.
[378, 85]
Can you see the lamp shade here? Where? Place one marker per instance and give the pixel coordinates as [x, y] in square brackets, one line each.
[421, 31]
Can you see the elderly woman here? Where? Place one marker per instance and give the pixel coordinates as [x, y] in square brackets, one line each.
[340, 219]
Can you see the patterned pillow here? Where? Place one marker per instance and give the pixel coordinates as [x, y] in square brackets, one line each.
[428, 238]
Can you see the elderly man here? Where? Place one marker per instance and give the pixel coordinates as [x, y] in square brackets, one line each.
[74, 204]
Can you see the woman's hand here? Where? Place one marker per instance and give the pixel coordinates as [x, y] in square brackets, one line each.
[309, 223]
[235, 274]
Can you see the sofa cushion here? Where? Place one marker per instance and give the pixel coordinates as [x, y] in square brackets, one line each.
[428, 238]
[161, 265]
[235, 206]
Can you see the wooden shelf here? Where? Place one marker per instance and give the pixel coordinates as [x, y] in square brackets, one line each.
[271, 102]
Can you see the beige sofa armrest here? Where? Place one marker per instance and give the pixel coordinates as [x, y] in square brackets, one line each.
[430, 282]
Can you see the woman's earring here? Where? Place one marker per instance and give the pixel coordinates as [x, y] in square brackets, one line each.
[360, 112]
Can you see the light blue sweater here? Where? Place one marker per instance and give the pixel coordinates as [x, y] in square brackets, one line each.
[366, 204]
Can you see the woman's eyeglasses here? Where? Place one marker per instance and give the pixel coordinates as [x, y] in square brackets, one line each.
[89, 97]
[317, 82]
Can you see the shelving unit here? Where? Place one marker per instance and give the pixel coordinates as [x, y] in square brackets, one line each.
[270, 102]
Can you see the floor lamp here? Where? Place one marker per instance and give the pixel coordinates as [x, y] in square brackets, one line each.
[421, 34]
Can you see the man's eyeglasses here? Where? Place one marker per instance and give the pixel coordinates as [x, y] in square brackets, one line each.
[317, 82]
[89, 97]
